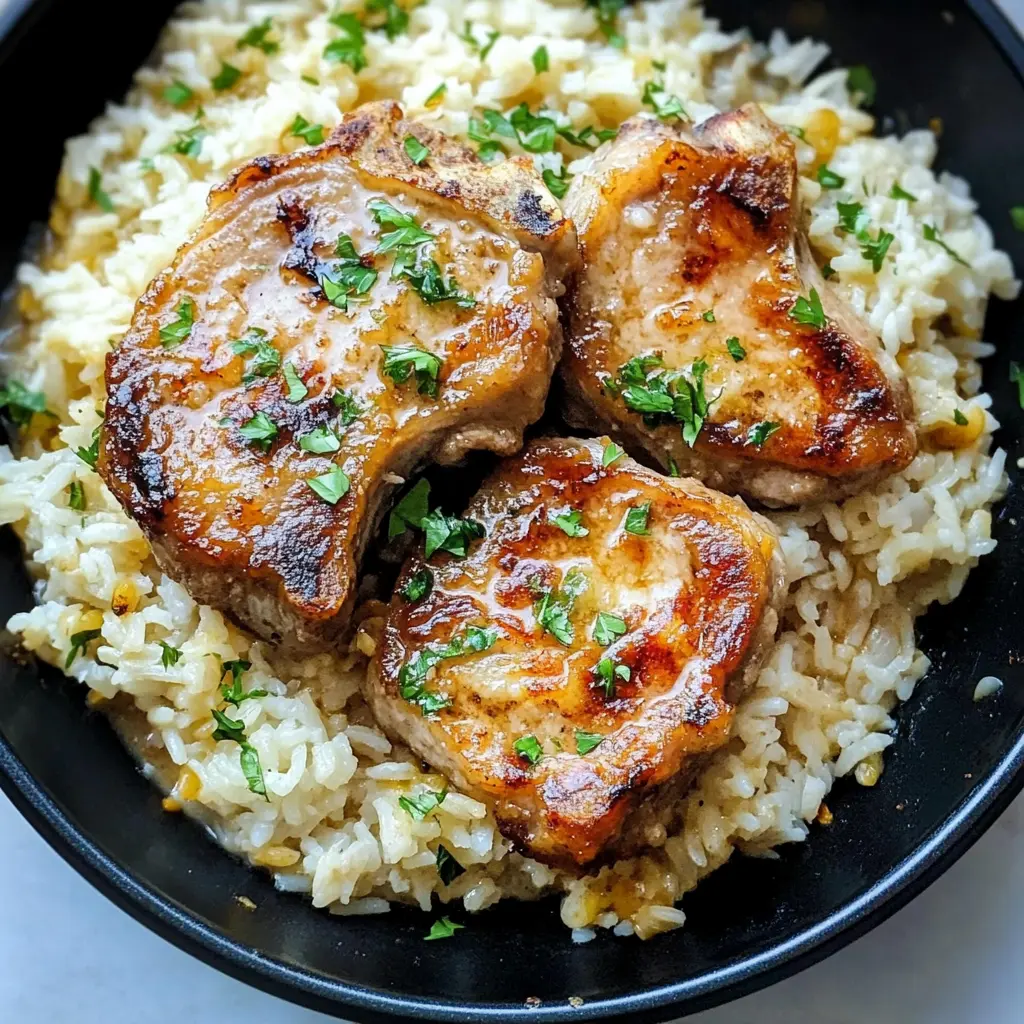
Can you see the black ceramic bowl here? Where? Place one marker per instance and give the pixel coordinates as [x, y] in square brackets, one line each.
[955, 765]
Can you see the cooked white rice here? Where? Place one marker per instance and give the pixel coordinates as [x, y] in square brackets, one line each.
[859, 572]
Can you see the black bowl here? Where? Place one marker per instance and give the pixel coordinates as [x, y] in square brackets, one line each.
[954, 768]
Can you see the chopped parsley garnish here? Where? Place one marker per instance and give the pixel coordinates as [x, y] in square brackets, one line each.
[587, 741]
[808, 311]
[396, 20]
[489, 151]
[583, 137]
[708, 316]
[232, 693]
[96, 193]
[436, 96]
[427, 280]
[22, 404]
[332, 486]
[297, 389]
[443, 928]
[612, 453]
[350, 408]
[528, 748]
[348, 47]
[411, 510]
[1017, 217]
[931, 233]
[540, 60]
[169, 656]
[256, 37]
[177, 331]
[188, 142]
[828, 271]
[347, 276]
[310, 79]
[665, 395]
[1017, 377]
[736, 350]
[178, 93]
[449, 533]
[959, 418]
[558, 184]
[261, 430]
[90, 456]
[226, 77]
[828, 178]
[265, 361]
[795, 129]
[874, 249]
[76, 496]
[760, 432]
[448, 868]
[608, 628]
[492, 38]
[861, 82]
[470, 40]
[407, 231]
[853, 218]
[403, 361]
[553, 607]
[320, 440]
[415, 150]
[637, 518]
[607, 14]
[312, 134]
[79, 642]
[664, 104]
[570, 523]
[229, 729]
[534, 132]
[901, 193]
[607, 672]
[419, 807]
[419, 584]
[412, 676]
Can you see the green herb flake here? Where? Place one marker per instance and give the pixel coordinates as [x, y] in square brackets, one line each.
[232, 693]
[90, 456]
[311, 134]
[411, 510]
[349, 408]
[418, 807]
[332, 486]
[673, 468]
[443, 928]
[861, 82]
[449, 533]
[22, 404]
[492, 38]
[554, 606]
[828, 271]
[708, 315]
[260, 431]
[265, 361]
[540, 60]
[178, 330]
[528, 748]
[407, 231]
[736, 350]
[76, 496]
[959, 418]
[348, 47]
[169, 656]
[448, 868]
[853, 218]
[901, 193]
[488, 152]
[404, 361]
[1017, 377]
[233, 731]
[419, 584]
[1017, 217]
[79, 642]
[178, 93]
[608, 628]
[436, 96]
[608, 673]
[612, 453]
[931, 234]
[874, 249]
[412, 675]
[96, 193]
[607, 14]
[396, 19]
[796, 130]
[828, 178]
[637, 519]
[570, 523]
[297, 389]
[256, 37]
[320, 441]
[415, 150]
[760, 432]
[666, 106]
[310, 79]
[808, 311]
[587, 741]
[557, 184]
[226, 77]
[188, 142]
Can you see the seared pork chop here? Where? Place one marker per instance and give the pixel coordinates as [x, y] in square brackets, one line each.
[576, 666]
[342, 315]
[702, 331]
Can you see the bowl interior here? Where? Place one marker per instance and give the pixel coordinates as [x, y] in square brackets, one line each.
[953, 767]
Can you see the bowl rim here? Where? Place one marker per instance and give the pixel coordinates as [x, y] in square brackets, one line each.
[162, 915]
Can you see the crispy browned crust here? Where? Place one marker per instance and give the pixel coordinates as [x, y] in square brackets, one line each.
[704, 587]
[240, 528]
[726, 237]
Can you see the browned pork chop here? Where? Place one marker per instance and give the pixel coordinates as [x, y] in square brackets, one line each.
[342, 315]
[693, 257]
[584, 657]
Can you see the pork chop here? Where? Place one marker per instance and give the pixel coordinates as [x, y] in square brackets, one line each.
[701, 330]
[344, 314]
[579, 663]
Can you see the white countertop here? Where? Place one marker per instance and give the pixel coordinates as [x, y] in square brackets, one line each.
[953, 956]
